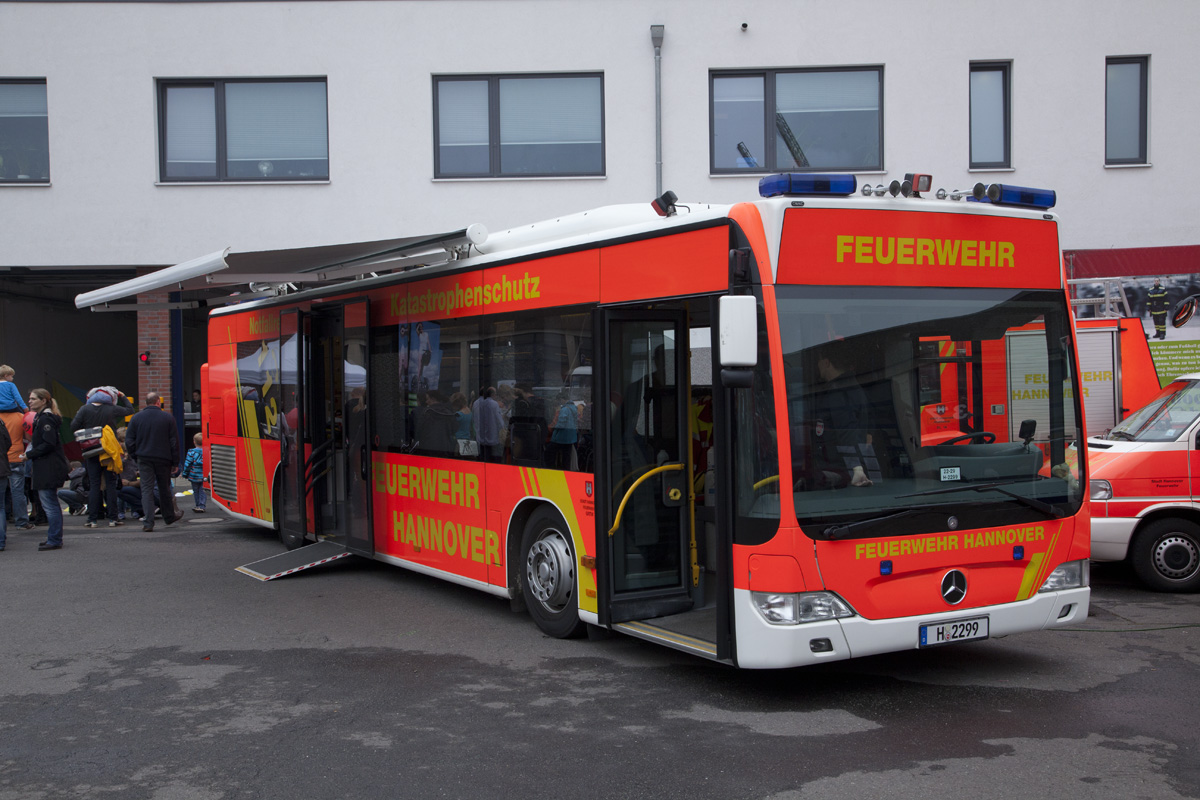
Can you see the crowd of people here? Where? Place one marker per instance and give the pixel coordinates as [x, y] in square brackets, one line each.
[125, 470]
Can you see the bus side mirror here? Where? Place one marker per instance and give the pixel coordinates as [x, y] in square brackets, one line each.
[738, 334]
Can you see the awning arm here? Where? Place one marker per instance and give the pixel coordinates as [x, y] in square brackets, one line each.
[197, 267]
[146, 306]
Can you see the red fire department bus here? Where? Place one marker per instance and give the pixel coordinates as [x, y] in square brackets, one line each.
[715, 421]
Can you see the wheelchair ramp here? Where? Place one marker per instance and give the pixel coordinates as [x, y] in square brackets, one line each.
[301, 558]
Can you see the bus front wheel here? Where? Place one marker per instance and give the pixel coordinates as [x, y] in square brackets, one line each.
[1166, 555]
[548, 575]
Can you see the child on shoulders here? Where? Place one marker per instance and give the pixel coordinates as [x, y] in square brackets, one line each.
[10, 395]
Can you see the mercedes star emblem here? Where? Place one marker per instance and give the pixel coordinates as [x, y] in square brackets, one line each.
[954, 587]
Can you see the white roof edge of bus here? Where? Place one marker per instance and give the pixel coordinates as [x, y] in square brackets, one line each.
[197, 267]
[633, 219]
[614, 221]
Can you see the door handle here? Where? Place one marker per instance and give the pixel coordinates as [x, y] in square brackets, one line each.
[629, 493]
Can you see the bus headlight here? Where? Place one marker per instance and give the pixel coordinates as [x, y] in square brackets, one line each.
[1100, 490]
[1071, 575]
[796, 609]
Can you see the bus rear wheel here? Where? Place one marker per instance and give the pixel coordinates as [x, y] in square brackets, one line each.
[1166, 555]
[549, 575]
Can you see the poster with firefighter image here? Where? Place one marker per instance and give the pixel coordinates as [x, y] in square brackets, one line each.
[1154, 301]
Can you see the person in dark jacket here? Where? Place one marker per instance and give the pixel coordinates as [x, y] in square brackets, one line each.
[75, 495]
[153, 441]
[50, 467]
[5, 443]
[101, 409]
[435, 427]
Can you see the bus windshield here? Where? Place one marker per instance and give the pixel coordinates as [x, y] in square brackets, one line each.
[1164, 418]
[932, 409]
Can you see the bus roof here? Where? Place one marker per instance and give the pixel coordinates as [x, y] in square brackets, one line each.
[333, 268]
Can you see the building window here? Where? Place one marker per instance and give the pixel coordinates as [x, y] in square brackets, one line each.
[243, 130]
[518, 125]
[24, 132]
[1125, 107]
[990, 121]
[804, 119]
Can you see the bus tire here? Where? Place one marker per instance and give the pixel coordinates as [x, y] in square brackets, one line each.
[548, 574]
[1166, 555]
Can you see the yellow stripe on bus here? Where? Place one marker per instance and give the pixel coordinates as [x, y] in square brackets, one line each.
[553, 486]
[248, 416]
[1029, 583]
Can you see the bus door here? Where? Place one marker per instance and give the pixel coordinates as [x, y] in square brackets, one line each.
[644, 468]
[330, 471]
[290, 497]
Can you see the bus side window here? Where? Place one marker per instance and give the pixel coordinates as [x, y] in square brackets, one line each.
[388, 408]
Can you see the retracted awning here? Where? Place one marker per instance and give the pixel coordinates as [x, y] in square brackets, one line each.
[297, 265]
[1133, 261]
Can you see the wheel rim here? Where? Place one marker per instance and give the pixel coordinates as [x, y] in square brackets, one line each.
[1176, 557]
[550, 571]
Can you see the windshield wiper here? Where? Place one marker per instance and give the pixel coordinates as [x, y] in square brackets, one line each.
[1033, 503]
[835, 532]
[1122, 436]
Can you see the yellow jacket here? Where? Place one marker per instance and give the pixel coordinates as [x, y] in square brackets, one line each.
[111, 457]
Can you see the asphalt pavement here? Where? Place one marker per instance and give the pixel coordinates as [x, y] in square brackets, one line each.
[142, 665]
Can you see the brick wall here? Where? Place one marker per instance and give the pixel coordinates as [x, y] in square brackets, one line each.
[154, 335]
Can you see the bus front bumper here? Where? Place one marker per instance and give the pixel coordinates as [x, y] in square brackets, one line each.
[761, 645]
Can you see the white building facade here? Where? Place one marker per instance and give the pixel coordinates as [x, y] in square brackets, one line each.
[143, 134]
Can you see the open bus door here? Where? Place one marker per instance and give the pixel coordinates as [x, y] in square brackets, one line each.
[653, 562]
[326, 444]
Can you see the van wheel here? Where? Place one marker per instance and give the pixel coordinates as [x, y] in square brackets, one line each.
[549, 576]
[1166, 555]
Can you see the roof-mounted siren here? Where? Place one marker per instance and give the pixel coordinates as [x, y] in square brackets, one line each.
[805, 184]
[914, 183]
[1001, 194]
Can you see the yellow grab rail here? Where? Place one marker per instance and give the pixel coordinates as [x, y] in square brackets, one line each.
[765, 482]
[637, 483]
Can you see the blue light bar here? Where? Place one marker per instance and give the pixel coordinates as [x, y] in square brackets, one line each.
[803, 183]
[1001, 194]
